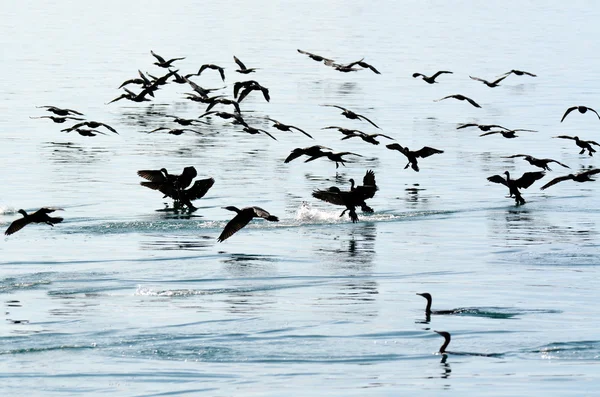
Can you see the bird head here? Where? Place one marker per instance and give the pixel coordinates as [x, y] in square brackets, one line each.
[425, 295]
[22, 212]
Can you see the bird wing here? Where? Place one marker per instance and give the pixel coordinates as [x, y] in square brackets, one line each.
[222, 73]
[109, 128]
[264, 214]
[369, 178]
[490, 133]
[383, 135]
[238, 222]
[265, 92]
[558, 162]
[199, 188]
[499, 80]
[497, 179]
[438, 73]
[569, 110]
[158, 57]
[16, 226]
[555, 181]
[360, 116]
[301, 130]
[244, 94]
[294, 155]
[516, 155]
[207, 113]
[564, 137]
[372, 68]
[472, 102]
[426, 151]
[478, 79]
[591, 172]
[243, 67]
[467, 125]
[593, 143]
[332, 197]
[336, 106]
[73, 111]
[152, 175]
[395, 146]
[588, 109]
[528, 178]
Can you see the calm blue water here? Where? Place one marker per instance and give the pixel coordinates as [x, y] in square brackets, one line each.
[127, 299]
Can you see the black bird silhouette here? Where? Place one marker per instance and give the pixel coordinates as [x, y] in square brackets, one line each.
[87, 132]
[161, 61]
[482, 127]
[201, 90]
[243, 217]
[345, 131]
[57, 119]
[248, 87]
[513, 185]
[369, 138]
[460, 98]
[163, 177]
[447, 338]
[351, 115]
[224, 101]
[60, 111]
[363, 64]
[254, 131]
[237, 117]
[286, 127]
[353, 198]
[132, 96]
[505, 133]
[412, 156]
[174, 186]
[338, 157]
[91, 124]
[580, 177]
[314, 152]
[428, 310]
[182, 121]
[584, 145]
[40, 216]
[243, 69]
[431, 79]
[174, 131]
[214, 67]
[581, 109]
[520, 73]
[490, 84]
[541, 163]
[315, 57]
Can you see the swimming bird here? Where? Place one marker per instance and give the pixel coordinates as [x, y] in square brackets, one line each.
[581, 109]
[213, 67]
[313, 152]
[541, 163]
[526, 180]
[369, 138]
[57, 119]
[460, 98]
[243, 69]
[243, 217]
[353, 198]
[224, 101]
[351, 115]
[254, 131]
[91, 124]
[520, 73]
[287, 127]
[490, 84]
[580, 177]
[248, 87]
[60, 111]
[428, 310]
[447, 338]
[162, 62]
[584, 145]
[431, 79]
[412, 156]
[315, 57]
[40, 216]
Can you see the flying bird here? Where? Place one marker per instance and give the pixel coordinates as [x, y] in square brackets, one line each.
[173, 131]
[505, 133]
[88, 132]
[431, 79]
[213, 67]
[161, 61]
[520, 73]
[60, 111]
[369, 138]
[248, 87]
[254, 131]
[315, 57]
[490, 84]
[584, 145]
[40, 216]
[526, 180]
[541, 163]
[57, 119]
[338, 157]
[243, 217]
[363, 64]
[286, 127]
[482, 127]
[412, 156]
[580, 177]
[243, 69]
[91, 124]
[313, 152]
[581, 109]
[460, 98]
[223, 101]
[182, 121]
[351, 115]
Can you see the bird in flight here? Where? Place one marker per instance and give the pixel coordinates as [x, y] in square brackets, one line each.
[541, 163]
[243, 69]
[162, 62]
[460, 98]
[351, 115]
[580, 177]
[526, 180]
[40, 216]
[581, 109]
[243, 217]
[412, 156]
[431, 79]
[584, 145]
[490, 84]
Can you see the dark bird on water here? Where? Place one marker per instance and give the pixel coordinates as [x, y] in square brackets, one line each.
[369, 138]
[412, 156]
[243, 217]
[315, 57]
[447, 338]
[60, 111]
[162, 62]
[520, 73]
[428, 310]
[57, 119]
[91, 124]
[213, 67]
[286, 127]
[314, 152]
[490, 84]
[580, 177]
[243, 69]
[460, 98]
[40, 216]
[584, 145]
[541, 163]
[246, 87]
[353, 198]
[351, 115]
[514, 185]
[581, 109]
[431, 79]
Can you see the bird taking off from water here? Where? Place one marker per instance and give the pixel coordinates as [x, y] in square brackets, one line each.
[40, 216]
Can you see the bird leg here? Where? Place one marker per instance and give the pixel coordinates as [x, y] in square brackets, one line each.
[353, 216]
[343, 212]
[583, 151]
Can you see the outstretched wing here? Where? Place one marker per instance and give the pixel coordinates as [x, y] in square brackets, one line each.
[238, 222]
[555, 181]
[330, 196]
[569, 110]
[497, 179]
[240, 64]
[199, 188]
[158, 57]
[366, 119]
[152, 175]
[16, 226]
[438, 73]
[264, 214]
[472, 102]
[528, 178]
[427, 151]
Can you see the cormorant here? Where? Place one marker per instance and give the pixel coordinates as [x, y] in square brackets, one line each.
[182, 121]
[369, 138]
[541, 163]
[61, 112]
[173, 131]
[482, 127]
[91, 124]
[447, 339]
[580, 177]
[581, 109]
[431, 79]
[520, 73]
[214, 67]
[174, 186]
[412, 156]
[242, 218]
[88, 132]
[513, 185]
[248, 87]
[584, 145]
[223, 101]
[40, 216]
[313, 152]
[351, 115]
[200, 90]
[490, 84]
[57, 119]
[460, 98]
[237, 117]
[428, 310]
[315, 57]
[286, 127]
[363, 64]
[161, 61]
[254, 131]
[345, 131]
[243, 69]
[335, 157]
[505, 133]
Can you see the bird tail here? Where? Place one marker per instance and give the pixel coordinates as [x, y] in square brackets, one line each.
[273, 218]
[53, 220]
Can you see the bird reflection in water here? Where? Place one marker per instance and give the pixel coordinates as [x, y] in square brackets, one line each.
[413, 198]
[160, 242]
[71, 153]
